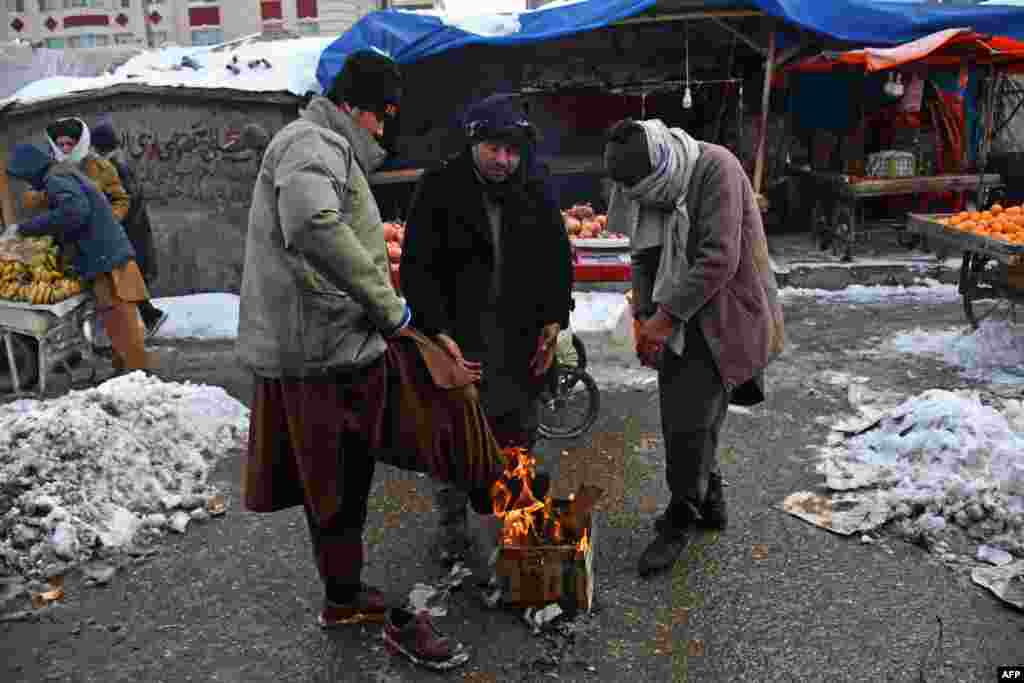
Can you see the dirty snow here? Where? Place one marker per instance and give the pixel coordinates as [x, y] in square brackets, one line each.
[199, 316]
[928, 292]
[994, 353]
[292, 69]
[97, 472]
[943, 465]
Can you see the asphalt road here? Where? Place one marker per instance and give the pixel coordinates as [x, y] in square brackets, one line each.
[771, 599]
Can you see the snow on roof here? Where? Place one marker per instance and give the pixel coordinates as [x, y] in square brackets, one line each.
[289, 66]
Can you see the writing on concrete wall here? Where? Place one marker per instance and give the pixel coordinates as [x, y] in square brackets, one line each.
[192, 163]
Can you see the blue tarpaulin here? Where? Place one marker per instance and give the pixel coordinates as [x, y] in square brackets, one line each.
[409, 37]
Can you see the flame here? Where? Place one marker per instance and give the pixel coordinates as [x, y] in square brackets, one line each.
[517, 514]
[520, 525]
[584, 545]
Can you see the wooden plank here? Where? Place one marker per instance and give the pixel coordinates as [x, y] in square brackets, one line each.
[749, 42]
[884, 187]
[766, 101]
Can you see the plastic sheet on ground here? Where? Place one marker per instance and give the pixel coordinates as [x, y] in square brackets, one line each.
[1006, 582]
[845, 514]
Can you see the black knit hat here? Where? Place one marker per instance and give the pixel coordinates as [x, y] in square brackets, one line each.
[499, 118]
[368, 80]
[104, 137]
[626, 156]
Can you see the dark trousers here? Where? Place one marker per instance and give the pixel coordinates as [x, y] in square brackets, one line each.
[515, 428]
[338, 544]
[694, 403]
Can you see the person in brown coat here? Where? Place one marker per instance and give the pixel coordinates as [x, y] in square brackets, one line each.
[706, 300]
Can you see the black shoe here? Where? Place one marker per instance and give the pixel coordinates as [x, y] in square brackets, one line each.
[713, 513]
[154, 323]
[664, 550]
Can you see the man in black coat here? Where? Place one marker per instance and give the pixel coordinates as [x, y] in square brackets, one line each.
[487, 269]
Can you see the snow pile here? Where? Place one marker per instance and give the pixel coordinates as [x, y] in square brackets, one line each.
[199, 316]
[941, 463]
[289, 66]
[106, 469]
[994, 353]
[929, 292]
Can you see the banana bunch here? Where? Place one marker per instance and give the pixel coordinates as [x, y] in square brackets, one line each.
[41, 282]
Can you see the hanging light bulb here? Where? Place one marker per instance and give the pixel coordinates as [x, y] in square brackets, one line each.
[687, 95]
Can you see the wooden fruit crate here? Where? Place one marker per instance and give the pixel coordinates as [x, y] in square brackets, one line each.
[537, 576]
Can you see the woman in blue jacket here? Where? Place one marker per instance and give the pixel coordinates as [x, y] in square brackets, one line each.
[80, 215]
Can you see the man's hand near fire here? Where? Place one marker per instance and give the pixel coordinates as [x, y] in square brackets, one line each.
[474, 368]
[652, 337]
[544, 356]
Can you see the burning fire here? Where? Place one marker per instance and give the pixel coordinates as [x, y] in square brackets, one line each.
[526, 520]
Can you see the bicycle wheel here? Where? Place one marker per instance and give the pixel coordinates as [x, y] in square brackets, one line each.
[581, 352]
[570, 408]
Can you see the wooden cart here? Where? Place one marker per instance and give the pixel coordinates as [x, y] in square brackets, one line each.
[991, 273]
[837, 218]
[39, 339]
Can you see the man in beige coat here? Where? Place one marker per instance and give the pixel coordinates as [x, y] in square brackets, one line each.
[338, 377]
[705, 295]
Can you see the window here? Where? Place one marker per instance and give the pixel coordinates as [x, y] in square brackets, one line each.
[126, 4]
[207, 36]
[49, 5]
[270, 9]
[69, 4]
[306, 9]
[159, 37]
[98, 3]
[124, 39]
[16, 5]
[102, 41]
[84, 40]
[55, 43]
[309, 28]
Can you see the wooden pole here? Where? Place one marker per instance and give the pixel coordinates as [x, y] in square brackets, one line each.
[8, 215]
[766, 100]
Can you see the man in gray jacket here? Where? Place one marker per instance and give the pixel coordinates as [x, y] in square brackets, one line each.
[705, 294]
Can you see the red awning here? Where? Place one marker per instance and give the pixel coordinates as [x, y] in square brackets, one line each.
[944, 48]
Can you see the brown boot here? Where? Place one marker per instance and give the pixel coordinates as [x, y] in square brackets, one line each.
[368, 606]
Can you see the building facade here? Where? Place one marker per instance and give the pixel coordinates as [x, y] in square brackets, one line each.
[99, 23]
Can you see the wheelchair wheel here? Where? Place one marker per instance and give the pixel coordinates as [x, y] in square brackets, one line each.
[570, 405]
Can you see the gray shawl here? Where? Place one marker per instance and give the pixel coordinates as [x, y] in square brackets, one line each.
[653, 212]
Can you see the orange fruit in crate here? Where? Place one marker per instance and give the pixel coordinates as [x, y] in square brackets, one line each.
[996, 209]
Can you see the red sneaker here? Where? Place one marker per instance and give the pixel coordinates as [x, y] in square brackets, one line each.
[415, 637]
[369, 606]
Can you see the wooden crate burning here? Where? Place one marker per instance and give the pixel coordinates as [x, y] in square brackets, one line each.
[546, 552]
[538, 575]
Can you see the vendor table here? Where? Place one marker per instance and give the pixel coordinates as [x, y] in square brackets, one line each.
[601, 260]
[58, 331]
[991, 273]
[837, 216]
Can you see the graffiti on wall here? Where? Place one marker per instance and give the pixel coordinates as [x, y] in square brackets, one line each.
[195, 163]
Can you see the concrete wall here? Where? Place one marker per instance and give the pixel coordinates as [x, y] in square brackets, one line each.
[198, 194]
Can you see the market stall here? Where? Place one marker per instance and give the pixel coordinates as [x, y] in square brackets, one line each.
[45, 315]
[897, 130]
[992, 271]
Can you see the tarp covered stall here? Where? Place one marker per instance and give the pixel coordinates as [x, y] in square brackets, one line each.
[900, 129]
